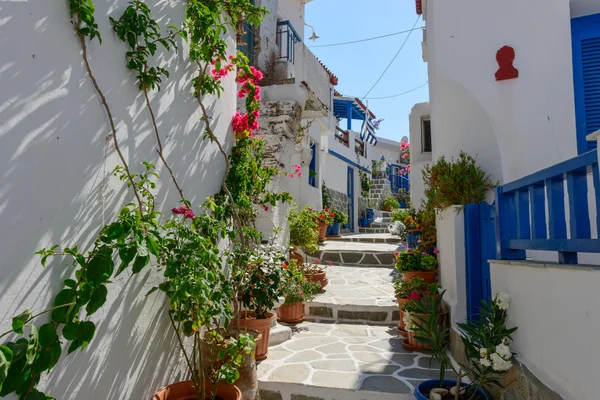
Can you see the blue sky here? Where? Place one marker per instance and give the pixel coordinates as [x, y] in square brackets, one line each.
[359, 65]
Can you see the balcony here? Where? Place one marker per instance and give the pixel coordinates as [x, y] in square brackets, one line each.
[287, 38]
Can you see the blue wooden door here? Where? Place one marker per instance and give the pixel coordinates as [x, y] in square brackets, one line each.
[351, 198]
[480, 246]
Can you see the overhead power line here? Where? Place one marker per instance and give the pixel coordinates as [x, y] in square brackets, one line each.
[393, 59]
[366, 40]
[397, 95]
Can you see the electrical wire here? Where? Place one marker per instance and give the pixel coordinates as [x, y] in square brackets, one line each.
[393, 59]
[397, 95]
[366, 40]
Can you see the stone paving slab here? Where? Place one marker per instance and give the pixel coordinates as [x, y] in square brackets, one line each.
[346, 357]
[360, 247]
[367, 238]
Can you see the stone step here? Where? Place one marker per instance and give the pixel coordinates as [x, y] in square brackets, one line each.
[326, 361]
[367, 238]
[356, 253]
[279, 334]
[373, 230]
[383, 214]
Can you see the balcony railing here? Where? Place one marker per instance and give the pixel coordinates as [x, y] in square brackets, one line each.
[287, 37]
[521, 211]
[342, 136]
[359, 147]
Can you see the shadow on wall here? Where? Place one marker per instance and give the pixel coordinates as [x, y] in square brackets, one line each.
[460, 123]
[56, 183]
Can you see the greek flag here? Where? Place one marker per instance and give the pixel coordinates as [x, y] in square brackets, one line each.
[367, 133]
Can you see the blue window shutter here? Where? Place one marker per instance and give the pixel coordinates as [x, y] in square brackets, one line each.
[586, 75]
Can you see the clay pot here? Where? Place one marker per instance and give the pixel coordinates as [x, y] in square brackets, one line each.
[412, 341]
[427, 276]
[291, 314]
[388, 208]
[320, 277]
[294, 255]
[263, 326]
[401, 303]
[322, 231]
[248, 380]
[187, 391]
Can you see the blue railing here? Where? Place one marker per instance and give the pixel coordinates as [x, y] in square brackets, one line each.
[523, 224]
[287, 37]
[399, 181]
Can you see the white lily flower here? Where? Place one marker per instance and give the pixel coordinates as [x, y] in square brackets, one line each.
[483, 353]
[499, 363]
[504, 351]
[485, 362]
[503, 300]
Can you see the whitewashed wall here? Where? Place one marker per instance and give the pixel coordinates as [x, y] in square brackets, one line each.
[53, 143]
[418, 159]
[514, 127]
[580, 8]
[556, 310]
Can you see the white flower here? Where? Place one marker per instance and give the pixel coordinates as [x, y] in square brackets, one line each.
[500, 364]
[408, 322]
[502, 300]
[483, 352]
[504, 351]
[485, 362]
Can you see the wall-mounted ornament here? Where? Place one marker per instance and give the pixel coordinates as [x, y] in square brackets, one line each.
[505, 57]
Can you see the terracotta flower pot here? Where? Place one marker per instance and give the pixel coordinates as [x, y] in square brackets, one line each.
[291, 313]
[427, 276]
[187, 391]
[387, 208]
[248, 380]
[263, 326]
[320, 276]
[412, 340]
[401, 303]
[322, 231]
[294, 255]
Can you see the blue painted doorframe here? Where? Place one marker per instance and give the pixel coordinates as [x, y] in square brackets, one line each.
[480, 246]
[351, 198]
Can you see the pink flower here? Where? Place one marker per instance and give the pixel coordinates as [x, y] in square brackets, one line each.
[175, 211]
[213, 61]
[426, 292]
[436, 251]
[414, 296]
[408, 249]
[266, 208]
[230, 57]
[423, 254]
[256, 113]
[396, 254]
[330, 263]
[299, 174]
[317, 261]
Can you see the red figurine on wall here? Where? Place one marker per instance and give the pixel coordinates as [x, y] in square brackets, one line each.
[505, 57]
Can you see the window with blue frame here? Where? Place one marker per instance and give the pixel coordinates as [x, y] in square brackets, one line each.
[246, 46]
[586, 78]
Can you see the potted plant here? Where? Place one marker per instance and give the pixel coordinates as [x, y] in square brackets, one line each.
[416, 263]
[199, 307]
[296, 290]
[302, 232]
[403, 197]
[404, 289]
[487, 351]
[315, 272]
[324, 219]
[420, 305]
[390, 203]
[260, 286]
[339, 219]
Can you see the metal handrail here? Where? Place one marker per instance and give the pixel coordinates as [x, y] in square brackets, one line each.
[286, 31]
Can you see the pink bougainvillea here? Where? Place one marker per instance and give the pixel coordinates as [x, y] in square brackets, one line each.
[184, 210]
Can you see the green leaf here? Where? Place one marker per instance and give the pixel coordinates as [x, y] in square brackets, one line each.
[87, 330]
[70, 283]
[152, 245]
[154, 289]
[32, 347]
[99, 269]
[6, 356]
[71, 331]
[97, 300]
[48, 335]
[113, 231]
[20, 320]
[140, 262]
[65, 296]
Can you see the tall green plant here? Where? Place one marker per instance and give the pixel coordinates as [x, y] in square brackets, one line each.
[302, 229]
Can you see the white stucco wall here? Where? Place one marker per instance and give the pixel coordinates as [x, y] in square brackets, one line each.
[418, 159]
[514, 127]
[52, 143]
[580, 8]
[293, 11]
[556, 310]
[450, 233]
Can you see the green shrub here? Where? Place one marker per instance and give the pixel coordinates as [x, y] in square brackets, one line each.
[400, 214]
[391, 202]
[302, 229]
[456, 182]
[339, 216]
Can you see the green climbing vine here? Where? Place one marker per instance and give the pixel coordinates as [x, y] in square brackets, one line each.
[200, 293]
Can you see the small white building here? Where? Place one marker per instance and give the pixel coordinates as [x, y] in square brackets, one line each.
[515, 84]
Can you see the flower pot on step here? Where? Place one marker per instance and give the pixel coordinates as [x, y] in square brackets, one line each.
[363, 222]
[249, 321]
[422, 390]
[333, 229]
[427, 276]
[291, 314]
[388, 208]
[322, 231]
[320, 276]
[248, 380]
[187, 391]
[294, 255]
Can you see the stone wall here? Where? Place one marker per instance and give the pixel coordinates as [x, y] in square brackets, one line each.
[339, 200]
